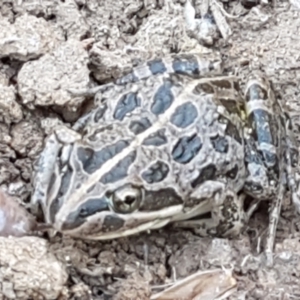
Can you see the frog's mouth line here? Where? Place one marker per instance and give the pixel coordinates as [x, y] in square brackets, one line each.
[132, 224]
[156, 224]
[137, 222]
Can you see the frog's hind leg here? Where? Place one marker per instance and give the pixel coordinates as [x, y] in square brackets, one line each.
[265, 148]
[226, 208]
[292, 165]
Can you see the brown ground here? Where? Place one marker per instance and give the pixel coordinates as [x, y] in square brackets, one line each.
[48, 48]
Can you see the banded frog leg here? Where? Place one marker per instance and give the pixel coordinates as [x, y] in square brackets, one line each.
[292, 164]
[192, 65]
[271, 153]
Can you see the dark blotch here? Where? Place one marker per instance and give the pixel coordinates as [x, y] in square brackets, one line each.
[232, 106]
[285, 120]
[100, 112]
[156, 139]
[112, 223]
[248, 4]
[233, 172]
[54, 208]
[86, 209]
[223, 84]
[294, 157]
[220, 144]
[263, 124]
[251, 154]
[211, 66]
[256, 92]
[156, 172]
[236, 86]
[186, 148]
[209, 17]
[139, 126]
[186, 65]
[64, 186]
[156, 66]
[126, 104]
[184, 115]
[253, 187]
[270, 158]
[92, 160]
[203, 88]
[65, 181]
[92, 206]
[120, 170]
[274, 175]
[155, 200]
[207, 173]
[231, 129]
[163, 98]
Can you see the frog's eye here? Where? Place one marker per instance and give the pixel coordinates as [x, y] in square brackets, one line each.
[126, 199]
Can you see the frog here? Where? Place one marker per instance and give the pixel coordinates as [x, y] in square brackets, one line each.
[167, 143]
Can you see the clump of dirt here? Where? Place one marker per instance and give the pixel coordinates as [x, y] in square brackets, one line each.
[48, 48]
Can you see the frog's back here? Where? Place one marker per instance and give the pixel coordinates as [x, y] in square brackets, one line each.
[176, 132]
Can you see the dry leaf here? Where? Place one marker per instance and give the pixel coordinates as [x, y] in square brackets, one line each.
[204, 285]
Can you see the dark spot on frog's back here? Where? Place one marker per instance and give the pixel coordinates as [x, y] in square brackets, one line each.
[139, 126]
[184, 115]
[163, 98]
[86, 209]
[233, 172]
[207, 173]
[203, 88]
[156, 66]
[156, 172]
[126, 104]
[156, 139]
[120, 170]
[231, 129]
[186, 65]
[186, 148]
[92, 160]
[220, 144]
